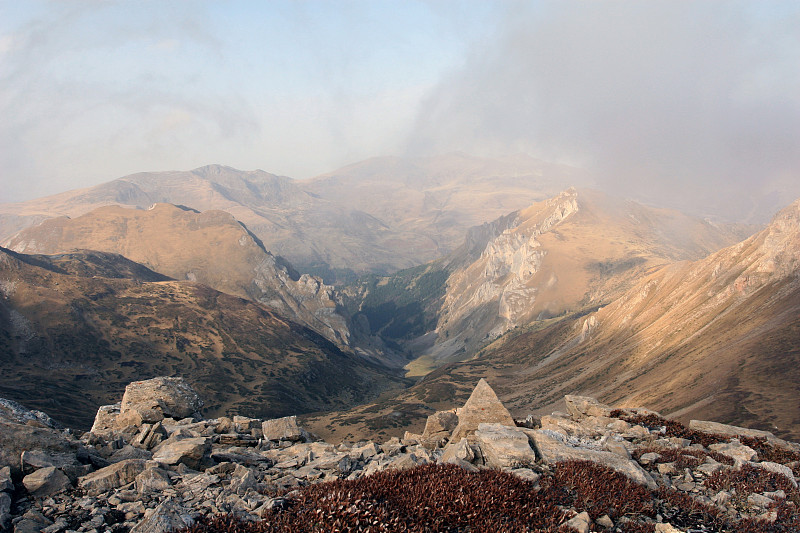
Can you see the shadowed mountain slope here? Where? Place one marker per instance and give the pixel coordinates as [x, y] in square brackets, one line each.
[76, 328]
[210, 247]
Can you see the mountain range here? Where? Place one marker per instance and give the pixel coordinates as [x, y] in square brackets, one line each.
[718, 336]
[376, 216]
[468, 268]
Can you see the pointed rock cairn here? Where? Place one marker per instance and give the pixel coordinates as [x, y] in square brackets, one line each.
[483, 406]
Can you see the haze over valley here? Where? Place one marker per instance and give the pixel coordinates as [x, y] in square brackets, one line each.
[533, 239]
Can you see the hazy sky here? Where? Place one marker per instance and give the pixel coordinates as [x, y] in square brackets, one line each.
[677, 101]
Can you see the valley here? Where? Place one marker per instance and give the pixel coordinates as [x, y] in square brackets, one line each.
[548, 290]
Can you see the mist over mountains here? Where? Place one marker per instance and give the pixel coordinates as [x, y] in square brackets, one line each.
[440, 269]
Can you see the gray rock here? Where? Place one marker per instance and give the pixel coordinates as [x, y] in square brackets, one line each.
[161, 397]
[580, 522]
[5, 479]
[667, 528]
[582, 406]
[129, 452]
[527, 474]
[5, 509]
[106, 418]
[152, 479]
[440, 421]
[46, 482]
[460, 450]
[566, 426]
[35, 459]
[365, 452]
[504, 446]
[759, 500]
[406, 461]
[17, 438]
[605, 521]
[284, 429]
[32, 522]
[167, 516]
[649, 458]
[113, 476]
[735, 450]
[779, 469]
[188, 451]
[483, 406]
[552, 448]
[150, 436]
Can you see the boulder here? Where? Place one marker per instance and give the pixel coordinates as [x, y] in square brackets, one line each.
[503, 446]
[46, 482]
[113, 476]
[6, 484]
[189, 451]
[285, 428]
[32, 460]
[582, 406]
[566, 426]
[150, 436]
[552, 448]
[32, 522]
[161, 397]
[106, 418]
[152, 479]
[168, 516]
[17, 438]
[483, 406]
[460, 450]
[735, 450]
[5, 510]
[440, 421]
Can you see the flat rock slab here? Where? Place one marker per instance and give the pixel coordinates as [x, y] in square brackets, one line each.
[46, 481]
[736, 431]
[735, 450]
[552, 449]
[504, 446]
[440, 421]
[189, 451]
[113, 476]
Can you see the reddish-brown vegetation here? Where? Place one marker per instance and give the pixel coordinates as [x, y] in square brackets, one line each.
[447, 498]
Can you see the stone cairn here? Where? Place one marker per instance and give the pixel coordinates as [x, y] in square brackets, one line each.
[151, 463]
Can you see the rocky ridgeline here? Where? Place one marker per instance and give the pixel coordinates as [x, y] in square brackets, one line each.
[151, 463]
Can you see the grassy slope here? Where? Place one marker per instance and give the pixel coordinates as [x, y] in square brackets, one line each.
[72, 342]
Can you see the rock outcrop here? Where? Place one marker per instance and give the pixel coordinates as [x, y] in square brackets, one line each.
[118, 479]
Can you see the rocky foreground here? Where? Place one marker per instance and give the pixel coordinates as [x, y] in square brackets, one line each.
[151, 463]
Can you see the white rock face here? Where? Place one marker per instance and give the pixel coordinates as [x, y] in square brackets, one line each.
[502, 278]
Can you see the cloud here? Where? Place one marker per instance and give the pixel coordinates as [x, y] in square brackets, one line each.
[91, 90]
[687, 103]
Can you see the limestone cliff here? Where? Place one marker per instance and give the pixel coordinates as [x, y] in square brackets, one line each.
[574, 251]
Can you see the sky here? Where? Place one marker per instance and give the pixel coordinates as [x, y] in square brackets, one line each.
[688, 104]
